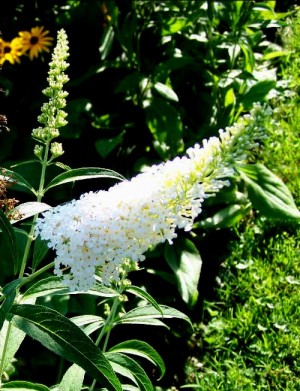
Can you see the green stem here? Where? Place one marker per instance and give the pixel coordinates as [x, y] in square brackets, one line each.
[106, 330]
[4, 352]
[36, 274]
[40, 194]
[30, 239]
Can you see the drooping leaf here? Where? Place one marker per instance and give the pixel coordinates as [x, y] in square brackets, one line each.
[19, 385]
[72, 379]
[20, 183]
[140, 349]
[268, 193]
[185, 261]
[88, 323]
[147, 314]
[78, 174]
[60, 335]
[128, 367]
[29, 209]
[137, 291]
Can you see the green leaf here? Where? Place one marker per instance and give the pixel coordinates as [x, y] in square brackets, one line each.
[126, 366]
[29, 209]
[78, 174]
[185, 261]
[9, 291]
[44, 287]
[140, 349]
[23, 386]
[165, 124]
[60, 335]
[137, 291]
[257, 93]
[106, 42]
[267, 192]
[21, 183]
[88, 323]
[226, 217]
[16, 338]
[72, 379]
[10, 240]
[166, 91]
[148, 313]
[105, 146]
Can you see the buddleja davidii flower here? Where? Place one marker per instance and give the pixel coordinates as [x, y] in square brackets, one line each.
[102, 230]
[53, 116]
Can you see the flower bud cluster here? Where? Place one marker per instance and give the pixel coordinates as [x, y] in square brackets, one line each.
[103, 229]
[53, 116]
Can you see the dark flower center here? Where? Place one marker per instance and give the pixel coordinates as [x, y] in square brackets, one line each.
[7, 49]
[34, 40]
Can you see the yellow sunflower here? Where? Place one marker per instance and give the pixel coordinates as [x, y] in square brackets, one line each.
[35, 41]
[11, 51]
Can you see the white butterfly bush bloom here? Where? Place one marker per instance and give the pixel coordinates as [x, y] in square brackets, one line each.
[103, 229]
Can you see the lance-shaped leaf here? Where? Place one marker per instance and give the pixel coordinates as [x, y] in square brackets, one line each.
[150, 315]
[18, 385]
[60, 335]
[78, 174]
[137, 291]
[72, 379]
[20, 184]
[129, 368]
[268, 193]
[29, 209]
[9, 291]
[140, 349]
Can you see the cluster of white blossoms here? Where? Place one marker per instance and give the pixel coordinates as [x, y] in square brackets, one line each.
[103, 229]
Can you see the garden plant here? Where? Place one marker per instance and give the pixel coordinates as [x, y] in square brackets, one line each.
[148, 233]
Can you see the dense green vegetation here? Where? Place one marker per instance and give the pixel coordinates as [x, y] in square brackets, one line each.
[148, 80]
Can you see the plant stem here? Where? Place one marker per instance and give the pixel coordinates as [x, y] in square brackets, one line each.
[30, 239]
[106, 330]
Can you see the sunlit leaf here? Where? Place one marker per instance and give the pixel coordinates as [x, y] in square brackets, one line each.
[267, 192]
[185, 261]
[166, 91]
[29, 209]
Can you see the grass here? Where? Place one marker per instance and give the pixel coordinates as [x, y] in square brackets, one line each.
[250, 335]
